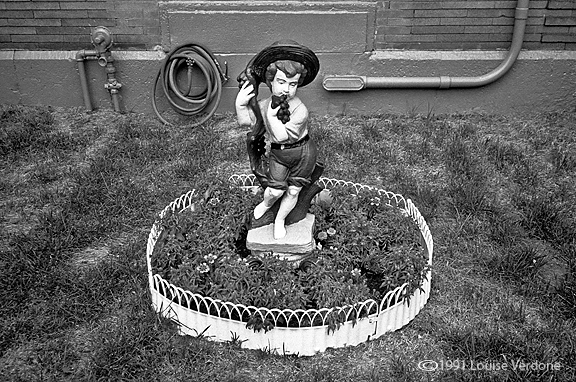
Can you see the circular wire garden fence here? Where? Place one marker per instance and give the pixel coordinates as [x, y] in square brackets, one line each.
[302, 332]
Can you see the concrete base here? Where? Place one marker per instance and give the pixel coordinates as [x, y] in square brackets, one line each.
[299, 240]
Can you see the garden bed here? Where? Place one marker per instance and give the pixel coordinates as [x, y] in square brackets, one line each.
[369, 274]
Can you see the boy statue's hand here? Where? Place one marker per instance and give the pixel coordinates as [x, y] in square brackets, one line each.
[245, 94]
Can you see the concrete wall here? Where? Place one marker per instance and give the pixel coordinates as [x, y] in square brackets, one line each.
[539, 81]
[456, 38]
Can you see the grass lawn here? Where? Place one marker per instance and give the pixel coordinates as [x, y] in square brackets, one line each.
[79, 192]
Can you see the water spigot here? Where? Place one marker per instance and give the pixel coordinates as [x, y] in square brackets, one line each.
[113, 86]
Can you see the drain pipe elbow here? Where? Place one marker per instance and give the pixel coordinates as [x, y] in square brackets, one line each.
[521, 17]
[356, 83]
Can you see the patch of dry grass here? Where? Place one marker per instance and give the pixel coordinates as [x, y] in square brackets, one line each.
[497, 193]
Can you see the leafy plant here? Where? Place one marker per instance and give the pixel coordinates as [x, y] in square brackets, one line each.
[365, 248]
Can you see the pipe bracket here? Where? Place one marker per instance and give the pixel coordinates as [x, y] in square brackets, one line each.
[521, 14]
[445, 82]
[344, 83]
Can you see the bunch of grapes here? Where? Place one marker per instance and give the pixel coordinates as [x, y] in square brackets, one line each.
[258, 145]
[284, 112]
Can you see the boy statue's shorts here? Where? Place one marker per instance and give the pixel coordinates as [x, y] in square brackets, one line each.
[292, 167]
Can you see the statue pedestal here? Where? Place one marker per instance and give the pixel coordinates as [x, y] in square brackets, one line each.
[298, 242]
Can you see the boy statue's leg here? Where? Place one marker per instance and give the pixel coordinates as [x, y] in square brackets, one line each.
[270, 197]
[286, 205]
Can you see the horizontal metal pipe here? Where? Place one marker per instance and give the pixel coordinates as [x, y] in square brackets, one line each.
[356, 83]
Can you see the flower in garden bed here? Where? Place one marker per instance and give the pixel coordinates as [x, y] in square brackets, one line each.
[210, 258]
[366, 248]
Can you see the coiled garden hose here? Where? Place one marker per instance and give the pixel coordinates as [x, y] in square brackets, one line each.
[180, 96]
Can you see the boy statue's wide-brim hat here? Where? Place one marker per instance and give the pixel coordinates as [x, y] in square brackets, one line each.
[286, 50]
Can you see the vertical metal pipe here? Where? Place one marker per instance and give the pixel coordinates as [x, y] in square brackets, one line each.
[112, 85]
[80, 57]
[115, 101]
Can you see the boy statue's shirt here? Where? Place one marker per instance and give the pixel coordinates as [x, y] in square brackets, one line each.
[297, 127]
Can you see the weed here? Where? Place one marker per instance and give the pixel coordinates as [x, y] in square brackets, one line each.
[400, 369]
[562, 158]
[236, 341]
[370, 130]
[547, 218]
[525, 175]
[505, 226]
[477, 344]
[503, 154]
[468, 186]
[427, 196]
[520, 262]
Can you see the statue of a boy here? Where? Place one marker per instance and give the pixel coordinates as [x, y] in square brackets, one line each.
[284, 67]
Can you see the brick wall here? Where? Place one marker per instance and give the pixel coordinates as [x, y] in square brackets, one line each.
[67, 24]
[400, 24]
[560, 24]
[473, 24]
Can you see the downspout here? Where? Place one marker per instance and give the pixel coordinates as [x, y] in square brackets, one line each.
[356, 83]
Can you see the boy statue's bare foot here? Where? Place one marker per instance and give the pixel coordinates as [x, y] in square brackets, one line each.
[279, 230]
[260, 210]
